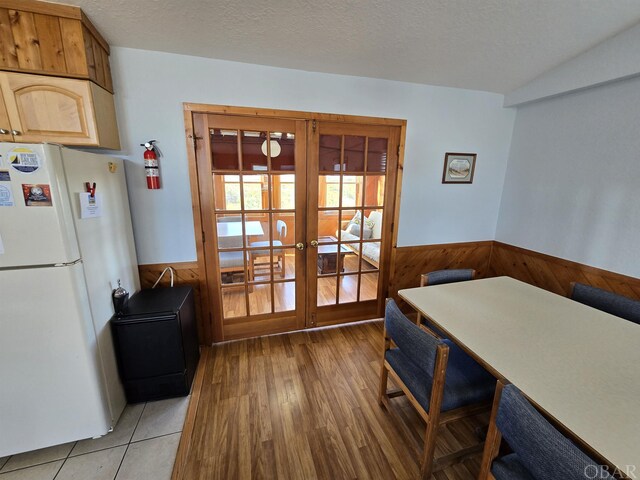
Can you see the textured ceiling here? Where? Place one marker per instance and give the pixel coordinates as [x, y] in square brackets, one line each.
[492, 45]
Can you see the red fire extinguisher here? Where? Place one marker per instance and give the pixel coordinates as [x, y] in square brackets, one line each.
[151, 165]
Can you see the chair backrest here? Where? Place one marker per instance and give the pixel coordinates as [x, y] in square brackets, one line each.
[420, 347]
[540, 447]
[448, 276]
[281, 227]
[606, 301]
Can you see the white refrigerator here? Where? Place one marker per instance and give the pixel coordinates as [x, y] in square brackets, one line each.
[59, 263]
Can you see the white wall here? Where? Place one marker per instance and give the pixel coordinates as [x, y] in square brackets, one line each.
[150, 88]
[572, 188]
[615, 58]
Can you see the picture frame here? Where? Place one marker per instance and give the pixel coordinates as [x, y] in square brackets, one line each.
[459, 167]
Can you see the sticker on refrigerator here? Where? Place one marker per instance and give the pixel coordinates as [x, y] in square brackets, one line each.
[24, 159]
[1, 246]
[6, 196]
[5, 176]
[90, 206]
[37, 195]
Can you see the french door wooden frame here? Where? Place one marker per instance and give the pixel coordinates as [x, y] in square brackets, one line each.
[308, 127]
[339, 312]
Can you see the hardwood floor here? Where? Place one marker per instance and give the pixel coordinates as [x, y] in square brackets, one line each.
[234, 304]
[304, 406]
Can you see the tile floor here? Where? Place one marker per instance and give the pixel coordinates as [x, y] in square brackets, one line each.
[142, 447]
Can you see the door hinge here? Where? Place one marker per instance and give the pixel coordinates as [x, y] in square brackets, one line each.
[313, 319]
[202, 236]
[194, 140]
[398, 151]
[314, 126]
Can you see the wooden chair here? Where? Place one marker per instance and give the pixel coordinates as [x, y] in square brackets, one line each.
[278, 254]
[606, 301]
[441, 381]
[440, 277]
[230, 262]
[539, 450]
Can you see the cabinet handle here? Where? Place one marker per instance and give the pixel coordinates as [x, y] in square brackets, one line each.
[300, 246]
[16, 132]
[314, 243]
[4, 131]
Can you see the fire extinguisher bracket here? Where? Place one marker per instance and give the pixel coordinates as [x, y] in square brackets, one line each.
[151, 164]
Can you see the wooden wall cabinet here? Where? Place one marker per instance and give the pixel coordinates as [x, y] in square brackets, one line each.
[38, 108]
[52, 39]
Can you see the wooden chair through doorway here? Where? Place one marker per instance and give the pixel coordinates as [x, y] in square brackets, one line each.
[278, 254]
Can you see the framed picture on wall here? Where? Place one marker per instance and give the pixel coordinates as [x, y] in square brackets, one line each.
[459, 167]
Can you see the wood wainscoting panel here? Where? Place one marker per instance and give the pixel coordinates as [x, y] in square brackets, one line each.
[411, 262]
[186, 273]
[556, 274]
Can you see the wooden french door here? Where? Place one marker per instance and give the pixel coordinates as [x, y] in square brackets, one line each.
[351, 180]
[296, 219]
[252, 175]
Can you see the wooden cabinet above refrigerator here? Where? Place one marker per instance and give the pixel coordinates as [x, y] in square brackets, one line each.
[52, 39]
[55, 77]
[57, 110]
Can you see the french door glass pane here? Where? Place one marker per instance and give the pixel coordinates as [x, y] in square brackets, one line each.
[328, 225]
[377, 155]
[283, 192]
[284, 296]
[352, 190]
[284, 228]
[224, 149]
[330, 152]
[350, 262]
[374, 222]
[234, 302]
[348, 288]
[374, 191]
[253, 158]
[354, 154]
[255, 192]
[229, 230]
[285, 160]
[328, 191]
[369, 286]
[260, 299]
[260, 264]
[326, 291]
[370, 257]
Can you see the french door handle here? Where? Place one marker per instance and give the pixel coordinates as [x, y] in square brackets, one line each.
[314, 243]
[300, 246]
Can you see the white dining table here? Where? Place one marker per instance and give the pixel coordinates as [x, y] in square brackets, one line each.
[234, 229]
[581, 366]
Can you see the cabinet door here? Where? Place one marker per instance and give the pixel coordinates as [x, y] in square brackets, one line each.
[5, 124]
[49, 109]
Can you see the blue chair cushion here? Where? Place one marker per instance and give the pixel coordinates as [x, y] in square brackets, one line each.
[466, 382]
[542, 450]
[609, 302]
[449, 276]
[510, 468]
[276, 243]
